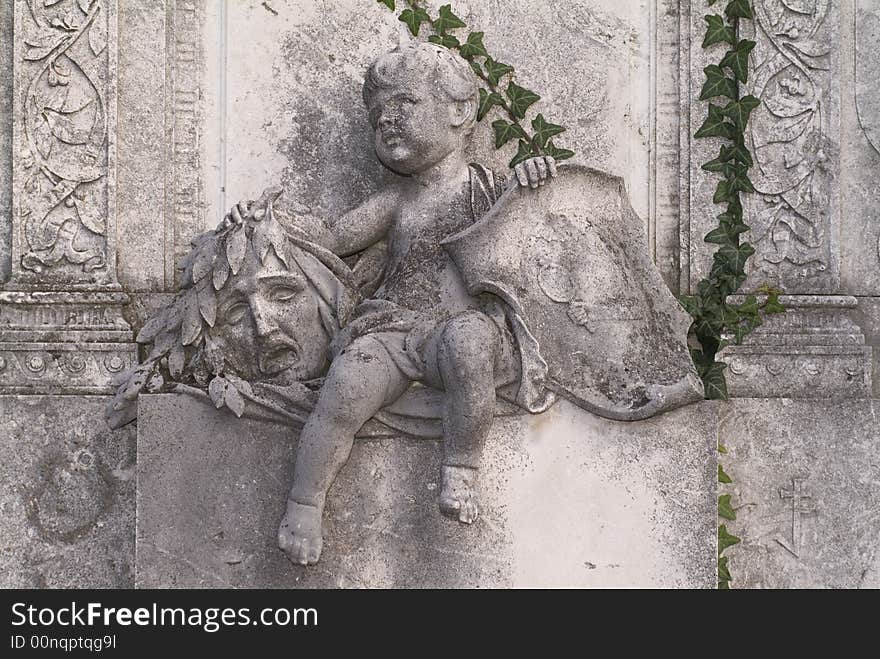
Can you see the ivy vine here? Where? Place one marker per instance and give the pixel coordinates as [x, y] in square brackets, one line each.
[717, 320]
[499, 91]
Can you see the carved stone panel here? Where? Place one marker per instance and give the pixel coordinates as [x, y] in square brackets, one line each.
[804, 488]
[795, 137]
[606, 516]
[64, 132]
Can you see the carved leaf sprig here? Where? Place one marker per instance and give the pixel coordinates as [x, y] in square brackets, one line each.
[515, 101]
[181, 348]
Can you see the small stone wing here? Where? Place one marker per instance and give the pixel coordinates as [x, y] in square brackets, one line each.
[571, 261]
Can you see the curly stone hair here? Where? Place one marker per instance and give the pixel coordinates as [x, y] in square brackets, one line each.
[454, 81]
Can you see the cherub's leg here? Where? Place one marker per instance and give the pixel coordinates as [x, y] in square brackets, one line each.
[362, 380]
[466, 361]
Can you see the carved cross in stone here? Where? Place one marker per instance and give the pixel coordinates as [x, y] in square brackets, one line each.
[798, 507]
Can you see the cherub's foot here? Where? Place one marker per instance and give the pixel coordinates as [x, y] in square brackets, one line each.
[300, 533]
[458, 494]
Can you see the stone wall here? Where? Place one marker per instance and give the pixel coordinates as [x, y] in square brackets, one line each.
[213, 101]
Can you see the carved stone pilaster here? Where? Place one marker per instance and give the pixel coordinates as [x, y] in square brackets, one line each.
[814, 350]
[61, 327]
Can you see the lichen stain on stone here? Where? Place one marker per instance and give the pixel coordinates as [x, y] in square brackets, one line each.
[70, 498]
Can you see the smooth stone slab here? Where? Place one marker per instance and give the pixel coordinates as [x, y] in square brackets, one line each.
[569, 499]
[805, 479]
[67, 496]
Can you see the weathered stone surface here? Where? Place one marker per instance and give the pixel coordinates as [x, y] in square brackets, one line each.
[570, 499]
[290, 90]
[860, 152]
[67, 503]
[805, 477]
[5, 140]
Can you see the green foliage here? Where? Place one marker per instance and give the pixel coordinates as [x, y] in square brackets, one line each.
[725, 539]
[513, 100]
[717, 321]
[725, 510]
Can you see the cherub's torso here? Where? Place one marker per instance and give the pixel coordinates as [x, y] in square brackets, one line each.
[419, 273]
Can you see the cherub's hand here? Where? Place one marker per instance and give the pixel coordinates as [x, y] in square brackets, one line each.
[237, 215]
[535, 172]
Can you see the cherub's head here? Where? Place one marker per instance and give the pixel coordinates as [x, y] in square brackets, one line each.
[422, 99]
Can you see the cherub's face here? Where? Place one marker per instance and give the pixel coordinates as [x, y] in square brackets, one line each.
[414, 129]
[272, 313]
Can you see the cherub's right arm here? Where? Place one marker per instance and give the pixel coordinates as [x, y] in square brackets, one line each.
[366, 224]
[358, 229]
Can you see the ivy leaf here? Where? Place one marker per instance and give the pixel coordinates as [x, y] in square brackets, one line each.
[737, 60]
[714, 382]
[725, 510]
[718, 31]
[487, 102]
[736, 256]
[473, 47]
[719, 236]
[727, 156]
[773, 305]
[413, 18]
[691, 304]
[722, 449]
[496, 70]
[523, 153]
[558, 153]
[723, 192]
[718, 166]
[722, 476]
[740, 111]
[723, 573]
[447, 20]
[739, 9]
[446, 40]
[716, 125]
[737, 152]
[544, 130]
[740, 180]
[717, 84]
[506, 131]
[521, 99]
[388, 3]
[725, 539]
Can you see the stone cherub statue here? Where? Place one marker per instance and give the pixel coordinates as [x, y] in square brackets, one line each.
[484, 301]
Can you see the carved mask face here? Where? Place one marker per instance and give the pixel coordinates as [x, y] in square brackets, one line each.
[415, 128]
[272, 314]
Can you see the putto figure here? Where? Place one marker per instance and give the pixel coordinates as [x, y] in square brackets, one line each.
[467, 300]
[420, 324]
